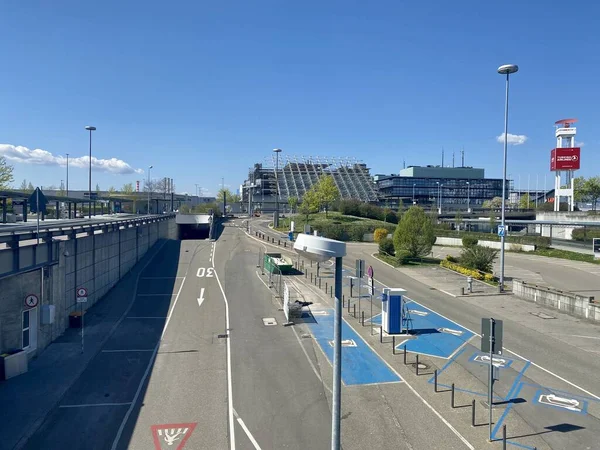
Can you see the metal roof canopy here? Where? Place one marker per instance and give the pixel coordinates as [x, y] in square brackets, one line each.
[20, 195]
[533, 222]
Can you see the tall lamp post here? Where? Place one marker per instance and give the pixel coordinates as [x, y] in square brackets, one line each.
[90, 129]
[277, 151]
[149, 187]
[68, 202]
[506, 69]
[468, 197]
[440, 186]
[414, 184]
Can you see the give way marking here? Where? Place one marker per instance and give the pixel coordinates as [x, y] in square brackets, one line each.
[167, 435]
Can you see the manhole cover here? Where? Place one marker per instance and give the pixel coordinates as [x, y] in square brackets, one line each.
[305, 336]
[421, 366]
[269, 321]
[542, 315]
[222, 336]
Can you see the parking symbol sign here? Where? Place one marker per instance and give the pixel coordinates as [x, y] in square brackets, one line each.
[501, 230]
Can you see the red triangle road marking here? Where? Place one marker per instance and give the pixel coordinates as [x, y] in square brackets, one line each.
[171, 436]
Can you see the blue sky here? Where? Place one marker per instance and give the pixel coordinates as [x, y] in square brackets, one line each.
[202, 90]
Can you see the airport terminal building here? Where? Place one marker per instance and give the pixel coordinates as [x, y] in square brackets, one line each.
[452, 188]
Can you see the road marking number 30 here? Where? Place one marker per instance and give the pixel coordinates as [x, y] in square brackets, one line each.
[204, 272]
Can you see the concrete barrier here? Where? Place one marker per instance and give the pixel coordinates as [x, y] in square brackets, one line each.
[567, 302]
[457, 242]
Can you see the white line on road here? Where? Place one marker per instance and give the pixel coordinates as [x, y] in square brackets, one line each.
[88, 405]
[172, 308]
[156, 295]
[128, 350]
[586, 337]
[247, 431]
[229, 382]
[160, 278]
[146, 317]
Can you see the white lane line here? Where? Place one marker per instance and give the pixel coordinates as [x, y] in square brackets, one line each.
[156, 295]
[172, 308]
[229, 382]
[135, 398]
[128, 350]
[448, 293]
[507, 349]
[247, 431]
[146, 317]
[89, 405]
[161, 278]
[586, 337]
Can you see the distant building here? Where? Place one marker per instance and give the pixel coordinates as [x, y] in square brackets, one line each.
[456, 187]
[296, 175]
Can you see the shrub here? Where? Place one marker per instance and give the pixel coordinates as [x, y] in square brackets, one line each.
[386, 245]
[585, 234]
[476, 274]
[469, 241]
[451, 259]
[478, 258]
[349, 207]
[414, 234]
[379, 234]
[403, 257]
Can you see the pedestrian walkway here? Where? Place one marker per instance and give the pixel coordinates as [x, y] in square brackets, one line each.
[33, 395]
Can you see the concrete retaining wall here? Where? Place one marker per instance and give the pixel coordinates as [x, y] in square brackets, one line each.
[567, 302]
[457, 242]
[96, 262]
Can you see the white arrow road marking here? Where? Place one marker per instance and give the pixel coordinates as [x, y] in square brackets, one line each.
[201, 298]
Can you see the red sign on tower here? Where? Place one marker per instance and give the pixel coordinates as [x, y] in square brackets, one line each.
[565, 158]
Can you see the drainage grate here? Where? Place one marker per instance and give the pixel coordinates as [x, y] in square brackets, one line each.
[346, 343]
[305, 336]
[451, 331]
[269, 321]
[222, 336]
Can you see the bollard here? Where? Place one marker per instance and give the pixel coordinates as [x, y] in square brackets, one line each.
[404, 354]
[435, 380]
[417, 365]
[362, 318]
[473, 413]
[311, 277]
[462, 291]
[305, 274]
[504, 437]
[284, 244]
[348, 306]
[319, 283]
[343, 300]
[278, 241]
[354, 313]
[311, 263]
[393, 345]
[452, 397]
[380, 334]
[331, 292]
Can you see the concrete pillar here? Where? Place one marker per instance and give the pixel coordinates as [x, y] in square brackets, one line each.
[68, 210]
[57, 209]
[94, 208]
[74, 209]
[4, 210]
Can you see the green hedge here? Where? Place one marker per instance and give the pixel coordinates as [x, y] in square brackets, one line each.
[538, 241]
[349, 231]
[585, 234]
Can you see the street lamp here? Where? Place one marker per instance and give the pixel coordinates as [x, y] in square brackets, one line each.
[277, 151]
[468, 197]
[149, 187]
[414, 184]
[506, 69]
[440, 186]
[90, 129]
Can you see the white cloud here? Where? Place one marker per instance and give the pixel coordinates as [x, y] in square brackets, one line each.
[512, 139]
[20, 154]
[579, 144]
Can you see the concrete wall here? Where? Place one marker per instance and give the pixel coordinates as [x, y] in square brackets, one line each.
[567, 302]
[96, 262]
[456, 242]
[563, 231]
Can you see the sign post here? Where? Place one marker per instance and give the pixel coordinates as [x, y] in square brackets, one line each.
[370, 273]
[491, 342]
[360, 272]
[81, 296]
[596, 245]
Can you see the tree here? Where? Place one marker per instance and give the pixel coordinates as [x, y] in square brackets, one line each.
[492, 223]
[327, 192]
[496, 202]
[525, 202]
[310, 203]
[127, 188]
[579, 189]
[592, 190]
[23, 186]
[30, 187]
[230, 197]
[293, 202]
[97, 187]
[111, 191]
[414, 234]
[6, 173]
[400, 208]
[386, 211]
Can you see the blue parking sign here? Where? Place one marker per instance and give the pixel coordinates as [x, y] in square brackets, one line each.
[501, 231]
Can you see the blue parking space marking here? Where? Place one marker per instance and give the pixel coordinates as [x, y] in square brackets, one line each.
[431, 334]
[547, 398]
[360, 364]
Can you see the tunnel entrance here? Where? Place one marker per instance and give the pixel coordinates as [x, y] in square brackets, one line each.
[192, 231]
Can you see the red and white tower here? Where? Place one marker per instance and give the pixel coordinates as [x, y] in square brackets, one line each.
[565, 158]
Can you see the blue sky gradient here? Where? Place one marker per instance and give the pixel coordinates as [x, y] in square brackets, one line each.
[202, 90]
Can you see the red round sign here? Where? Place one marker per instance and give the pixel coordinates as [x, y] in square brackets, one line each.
[31, 301]
[370, 272]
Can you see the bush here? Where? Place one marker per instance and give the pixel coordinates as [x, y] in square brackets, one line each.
[403, 257]
[469, 241]
[478, 258]
[349, 207]
[477, 274]
[585, 234]
[379, 234]
[386, 245]
[451, 259]
[414, 234]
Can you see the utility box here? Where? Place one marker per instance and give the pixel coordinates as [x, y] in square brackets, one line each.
[48, 313]
[391, 310]
[13, 363]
